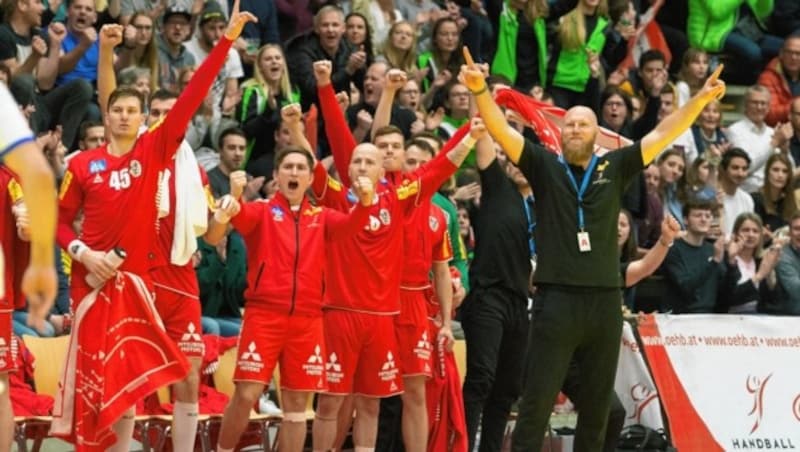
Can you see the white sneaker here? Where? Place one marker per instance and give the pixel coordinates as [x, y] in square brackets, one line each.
[267, 406]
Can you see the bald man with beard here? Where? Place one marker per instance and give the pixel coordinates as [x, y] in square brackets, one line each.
[576, 308]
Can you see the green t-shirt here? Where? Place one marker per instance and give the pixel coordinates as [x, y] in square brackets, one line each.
[459, 260]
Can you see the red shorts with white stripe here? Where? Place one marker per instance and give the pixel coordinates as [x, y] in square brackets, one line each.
[6, 326]
[362, 354]
[413, 336]
[180, 314]
[294, 342]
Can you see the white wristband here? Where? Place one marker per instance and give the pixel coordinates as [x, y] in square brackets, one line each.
[468, 141]
[76, 249]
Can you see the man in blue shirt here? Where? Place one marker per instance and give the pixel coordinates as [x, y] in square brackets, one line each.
[79, 48]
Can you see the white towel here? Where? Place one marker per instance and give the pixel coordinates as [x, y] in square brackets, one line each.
[191, 206]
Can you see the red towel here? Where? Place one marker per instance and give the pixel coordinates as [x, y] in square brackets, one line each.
[546, 120]
[447, 428]
[118, 354]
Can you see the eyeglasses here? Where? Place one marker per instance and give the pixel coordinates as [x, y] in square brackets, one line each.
[409, 91]
[791, 53]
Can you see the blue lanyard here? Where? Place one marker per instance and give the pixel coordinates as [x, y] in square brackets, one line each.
[584, 185]
[531, 224]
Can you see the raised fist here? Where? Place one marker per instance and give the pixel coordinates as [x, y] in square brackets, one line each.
[364, 189]
[395, 80]
[238, 180]
[477, 129]
[111, 35]
[291, 114]
[322, 72]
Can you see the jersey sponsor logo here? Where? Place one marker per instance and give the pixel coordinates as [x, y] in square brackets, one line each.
[277, 213]
[601, 178]
[191, 342]
[250, 361]
[389, 368]
[312, 211]
[433, 223]
[423, 347]
[408, 189]
[385, 217]
[135, 168]
[314, 365]
[97, 166]
[334, 369]
[65, 183]
[14, 191]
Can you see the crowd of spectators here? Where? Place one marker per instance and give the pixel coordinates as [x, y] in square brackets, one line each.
[732, 187]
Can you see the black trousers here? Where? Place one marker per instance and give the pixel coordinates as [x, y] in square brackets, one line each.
[570, 323]
[495, 322]
[390, 427]
[616, 415]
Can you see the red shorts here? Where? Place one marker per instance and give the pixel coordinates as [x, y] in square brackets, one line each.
[413, 335]
[295, 342]
[180, 314]
[6, 326]
[362, 354]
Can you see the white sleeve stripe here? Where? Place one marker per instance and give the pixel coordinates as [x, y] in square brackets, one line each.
[15, 145]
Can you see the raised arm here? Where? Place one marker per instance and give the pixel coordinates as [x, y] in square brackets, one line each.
[681, 119]
[395, 81]
[111, 35]
[336, 129]
[174, 125]
[646, 266]
[509, 139]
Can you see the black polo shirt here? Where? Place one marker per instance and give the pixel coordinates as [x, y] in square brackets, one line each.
[559, 259]
[502, 250]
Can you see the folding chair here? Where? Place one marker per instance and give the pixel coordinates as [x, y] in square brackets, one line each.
[50, 354]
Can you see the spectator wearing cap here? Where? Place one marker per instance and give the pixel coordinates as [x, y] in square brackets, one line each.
[172, 54]
[153, 8]
[79, 48]
[212, 26]
[34, 68]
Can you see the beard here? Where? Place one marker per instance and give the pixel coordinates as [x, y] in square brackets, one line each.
[577, 153]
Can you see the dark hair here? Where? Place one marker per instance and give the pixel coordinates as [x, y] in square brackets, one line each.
[428, 135]
[230, 131]
[628, 251]
[698, 204]
[651, 55]
[614, 90]
[367, 39]
[85, 126]
[495, 79]
[281, 155]
[732, 154]
[125, 91]
[387, 130]
[162, 94]
[422, 144]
